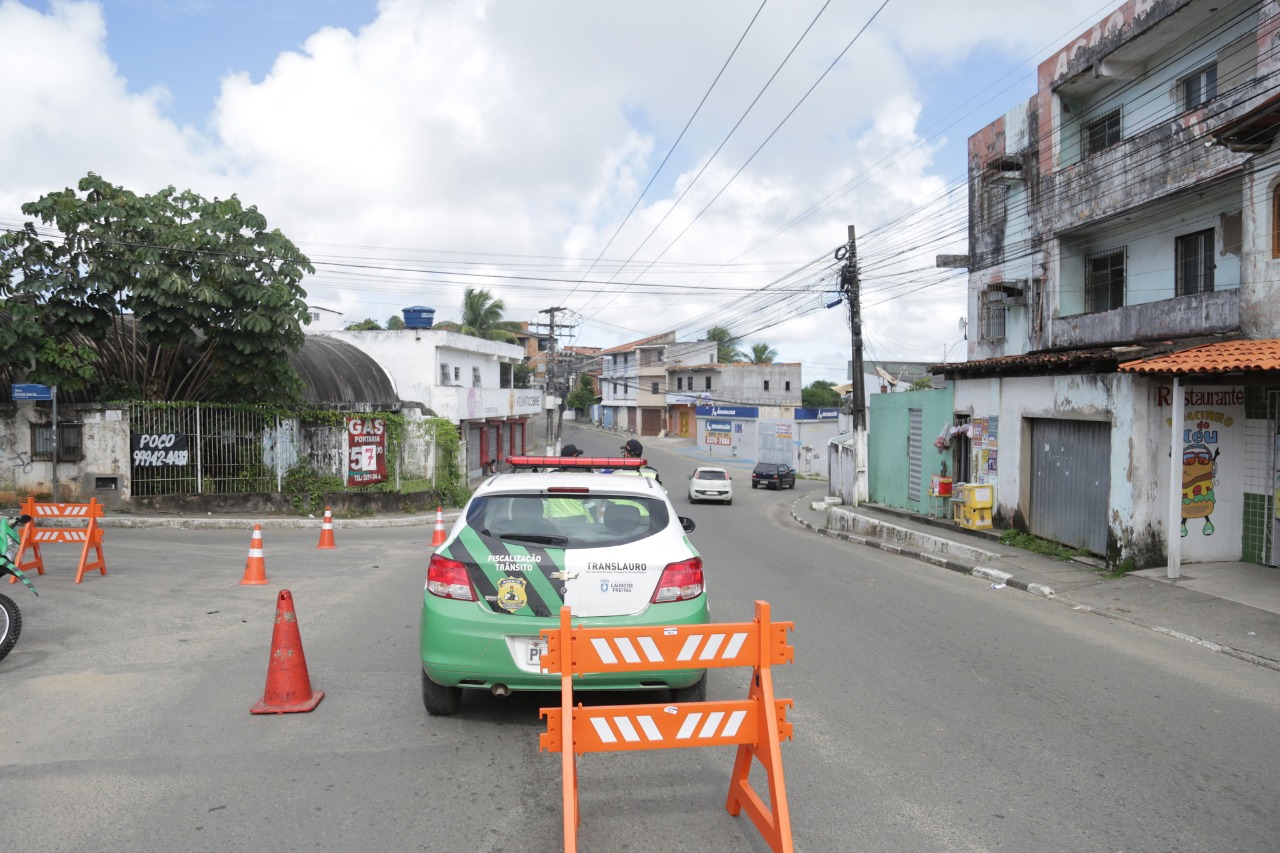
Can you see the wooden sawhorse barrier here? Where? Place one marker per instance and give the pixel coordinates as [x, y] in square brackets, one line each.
[757, 724]
[33, 535]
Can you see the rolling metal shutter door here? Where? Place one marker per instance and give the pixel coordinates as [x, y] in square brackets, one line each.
[915, 461]
[1071, 482]
[474, 462]
[650, 421]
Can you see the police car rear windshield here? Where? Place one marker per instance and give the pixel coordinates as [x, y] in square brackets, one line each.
[568, 520]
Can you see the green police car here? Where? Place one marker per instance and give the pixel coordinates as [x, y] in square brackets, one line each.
[552, 532]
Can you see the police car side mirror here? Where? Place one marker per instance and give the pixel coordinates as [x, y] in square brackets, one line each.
[687, 524]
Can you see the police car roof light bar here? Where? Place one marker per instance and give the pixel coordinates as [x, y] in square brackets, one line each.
[566, 463]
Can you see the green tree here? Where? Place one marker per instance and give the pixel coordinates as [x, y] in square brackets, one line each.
[395, 323]
[368, 324]
[763, 354]
[162, 296]
[820, 394]
[584, 396]
[520, 375]
[727, 351]
[482, 318]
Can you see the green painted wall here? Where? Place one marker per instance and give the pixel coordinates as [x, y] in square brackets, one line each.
[888, 434]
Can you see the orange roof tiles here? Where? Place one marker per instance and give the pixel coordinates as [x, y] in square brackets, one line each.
[1225, 357]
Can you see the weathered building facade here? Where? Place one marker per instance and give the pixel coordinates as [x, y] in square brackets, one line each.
[1129, 209]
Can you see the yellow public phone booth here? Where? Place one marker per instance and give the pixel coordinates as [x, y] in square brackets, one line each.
[972, 503]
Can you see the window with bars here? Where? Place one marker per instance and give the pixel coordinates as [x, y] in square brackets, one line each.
[994, 310]
[475, 377]
[444, 374]
[70, 442]
[1101, 133]
[1200, 88]
[1193, 263]
[1104, 280]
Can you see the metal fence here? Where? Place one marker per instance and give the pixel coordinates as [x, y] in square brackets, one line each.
[219, 450]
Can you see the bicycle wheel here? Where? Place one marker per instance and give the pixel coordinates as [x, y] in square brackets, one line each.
[10, 624]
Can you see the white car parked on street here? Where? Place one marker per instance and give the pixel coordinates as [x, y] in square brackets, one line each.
[710, 484]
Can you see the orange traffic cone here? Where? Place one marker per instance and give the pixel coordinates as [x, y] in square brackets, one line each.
[326, 530]
[440, 535]
[255, 568]
[288, 685]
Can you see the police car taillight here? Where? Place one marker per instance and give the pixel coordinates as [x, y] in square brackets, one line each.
[679, 582]
[448, 579]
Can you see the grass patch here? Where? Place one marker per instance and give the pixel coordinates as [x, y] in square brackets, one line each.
[1036, 545]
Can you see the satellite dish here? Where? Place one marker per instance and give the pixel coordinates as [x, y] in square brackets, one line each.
[883, 374]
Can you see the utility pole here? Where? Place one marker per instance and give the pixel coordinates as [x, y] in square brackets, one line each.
[552, 433]
[850, 285]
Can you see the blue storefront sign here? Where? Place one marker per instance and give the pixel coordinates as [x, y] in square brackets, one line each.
[728, 411]
[825, 414]
[31, 392]
[719, 426]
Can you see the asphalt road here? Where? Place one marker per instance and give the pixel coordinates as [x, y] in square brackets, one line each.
[931, 711]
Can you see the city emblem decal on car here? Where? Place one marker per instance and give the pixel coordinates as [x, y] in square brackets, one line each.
[604, 584]
[512, 595]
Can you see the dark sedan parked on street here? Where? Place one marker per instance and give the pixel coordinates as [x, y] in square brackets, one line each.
[773, 475]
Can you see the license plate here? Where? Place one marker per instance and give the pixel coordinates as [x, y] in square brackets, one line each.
[536, 650]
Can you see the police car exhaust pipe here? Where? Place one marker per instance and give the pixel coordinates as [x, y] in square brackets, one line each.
[501, 690]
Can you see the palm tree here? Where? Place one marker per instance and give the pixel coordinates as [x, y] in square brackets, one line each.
[482, 318]
[763, 354]
[727, 351]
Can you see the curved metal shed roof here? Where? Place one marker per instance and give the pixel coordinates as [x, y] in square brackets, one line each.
[336, 372]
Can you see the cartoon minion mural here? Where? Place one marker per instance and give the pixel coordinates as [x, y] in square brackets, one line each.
[1199, 466]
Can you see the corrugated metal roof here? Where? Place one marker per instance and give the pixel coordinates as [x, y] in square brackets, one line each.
[1226, 357]
[335, 372]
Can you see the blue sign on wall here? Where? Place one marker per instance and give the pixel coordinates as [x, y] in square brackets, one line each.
[31, 392]
[728, 411]
[825, 414]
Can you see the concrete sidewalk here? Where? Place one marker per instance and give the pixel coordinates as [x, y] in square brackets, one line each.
[1232, 608]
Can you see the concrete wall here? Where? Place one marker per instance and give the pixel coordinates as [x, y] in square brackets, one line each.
[105, 438]
[744, 383]
[1259, 307]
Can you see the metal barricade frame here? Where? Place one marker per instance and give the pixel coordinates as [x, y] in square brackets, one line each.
[757, 725]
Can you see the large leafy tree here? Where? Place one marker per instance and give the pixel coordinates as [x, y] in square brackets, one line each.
[727, 351]
[482, 318]
[763, 354]
[820, 394]
[162, 296]
[584, 396]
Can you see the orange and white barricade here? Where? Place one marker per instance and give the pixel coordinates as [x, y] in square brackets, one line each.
[756, 724]
[34, 534]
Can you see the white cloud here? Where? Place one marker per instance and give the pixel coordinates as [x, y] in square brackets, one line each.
[481, 131]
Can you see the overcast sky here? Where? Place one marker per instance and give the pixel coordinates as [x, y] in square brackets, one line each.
[413, 147]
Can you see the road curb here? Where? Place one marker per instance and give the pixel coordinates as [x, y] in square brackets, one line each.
[997, 576]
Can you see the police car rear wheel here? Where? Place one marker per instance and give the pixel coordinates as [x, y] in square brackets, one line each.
[440, 701]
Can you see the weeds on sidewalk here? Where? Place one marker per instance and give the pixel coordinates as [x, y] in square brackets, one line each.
[1036, 545]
